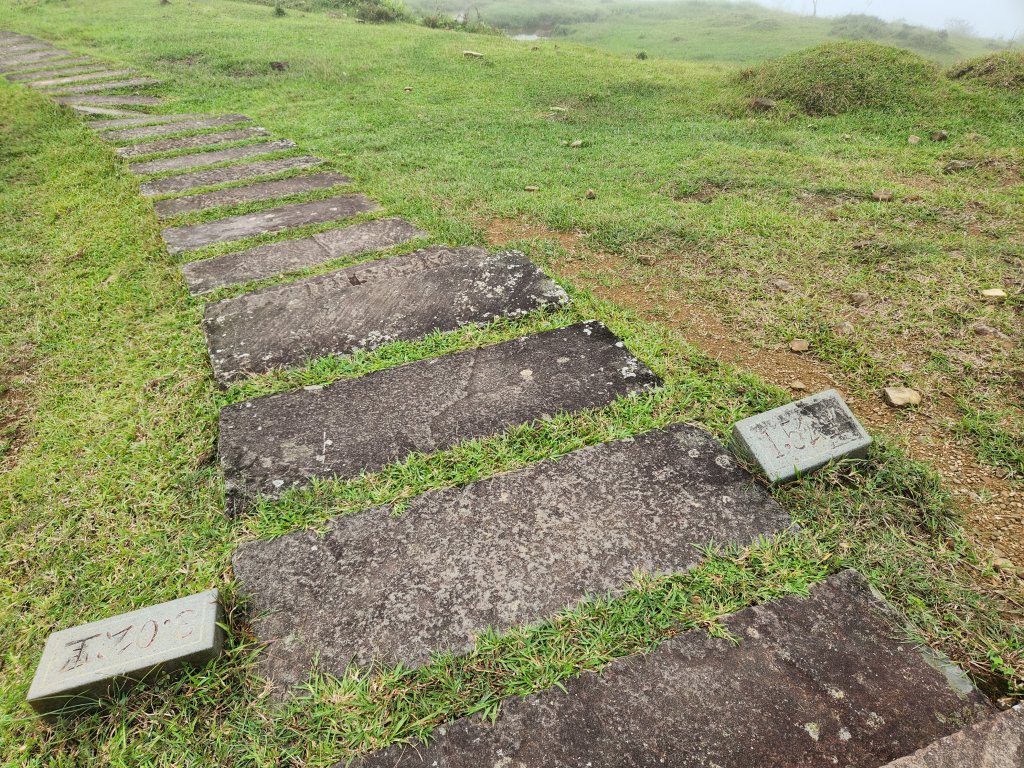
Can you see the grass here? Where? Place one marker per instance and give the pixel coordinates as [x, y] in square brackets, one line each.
[112, 500]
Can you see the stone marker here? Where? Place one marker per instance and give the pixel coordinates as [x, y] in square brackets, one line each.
[501, 552]
[188, 181]
[294, 255]
[42, 74]
[813, 681]
[171, 126]
[110, 100]
[198, 160]
[55, 63]
[802, 436]
[193, 236]
[190, 142]
[83, 663]
[134, 82]
[260, 191]
[997, 742]
[72, 79]
[99, 125]
[439, 289]
[277, 442]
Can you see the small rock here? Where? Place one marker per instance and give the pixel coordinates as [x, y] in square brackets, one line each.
[472, 54]
[781, 284]
[955, 166]
[591, 194]
[939, 136]
[531, 189]
[408, 89]
[859, 298]
[994, 295]
[557, 109]
[901, 397]
[882, 196]
[914, 139]
[797, 386]
[847, 137]
[761, 104]
[799, 345]
[842, 329]
[980, 329]
[647, 260]
[576, 144]
[1002, 564]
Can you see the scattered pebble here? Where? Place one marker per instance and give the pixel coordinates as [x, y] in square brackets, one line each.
[591, 194]
[914, 139]
[859, 298]
[781, 284]
[647, 260]
[799, 345]
[939, 136]
[576, 144]
[993, 294]
[901, 397]
[842, 329]
[408, 89]
[531, 189]
[882, 196]
[797, 386]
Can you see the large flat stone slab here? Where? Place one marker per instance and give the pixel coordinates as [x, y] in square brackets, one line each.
[241, 172]
[104, 111]
[55, 63]
[83, 663]
[273, 443]
[142, 120]
[109, 100]
[815, 681]
[193, 236]
[440, 289]
[260, 191]
[802, 436]
[200, 159]
[501, 552]
[170, 127]
[43, 74]
[34, 57]
[997, 742]
[104, 74]
[293, 255]
[190, 142]
[110, 85]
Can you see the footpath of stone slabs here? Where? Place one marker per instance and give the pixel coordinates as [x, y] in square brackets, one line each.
[815, 680]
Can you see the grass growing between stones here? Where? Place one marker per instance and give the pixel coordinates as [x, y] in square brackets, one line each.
[112, 499]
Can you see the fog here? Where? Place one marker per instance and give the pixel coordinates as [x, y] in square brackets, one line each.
[990, 18]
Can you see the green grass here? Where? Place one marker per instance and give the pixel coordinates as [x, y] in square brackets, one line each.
[112, 498]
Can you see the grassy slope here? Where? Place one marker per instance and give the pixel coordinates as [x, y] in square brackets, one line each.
[115, 501]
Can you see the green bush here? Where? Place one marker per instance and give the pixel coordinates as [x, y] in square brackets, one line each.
[1003, 70]
[834, 78]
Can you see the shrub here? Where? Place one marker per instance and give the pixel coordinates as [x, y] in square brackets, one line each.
[1003, 70]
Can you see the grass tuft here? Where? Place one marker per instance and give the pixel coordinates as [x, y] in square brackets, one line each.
[1003, 70]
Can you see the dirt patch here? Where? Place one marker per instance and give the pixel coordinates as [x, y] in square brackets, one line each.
[503, 231]
[993, 509]
[14, 407]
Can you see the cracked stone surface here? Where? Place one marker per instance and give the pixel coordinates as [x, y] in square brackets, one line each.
[32, 66]
[815, 681]
[281, 441]
[501, 552]
[71, 79]
[407, 297]
[142, 120]
[263, 190]
[170, 126]
[42, 74]
[133, 82]
[997, 742]
[190, 142]
[187, 181]
[193, 236]
[293, 255]
[110, 100]
[199, 159]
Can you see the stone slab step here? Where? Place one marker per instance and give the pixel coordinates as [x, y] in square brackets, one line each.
[104, 74]
[277, 442]
[190, 142]
[43, 74]
[200, 159]
[502, 552]
[111, 85]
[240, 172]
[170, 127]
[814, 681]
[105, 111]
[260, 191]
[34, 57]
[110, 100]
[101, 125]
[439, 289]
[193, 236]
[293, 255]
[55, 63]
[997, 742]
[20, 47]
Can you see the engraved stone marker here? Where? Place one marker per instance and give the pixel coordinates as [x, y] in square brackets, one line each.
[509, 550]
[802, 436]
[185, 181]
[82, 663]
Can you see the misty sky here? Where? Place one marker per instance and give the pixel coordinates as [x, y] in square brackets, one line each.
[996, 18]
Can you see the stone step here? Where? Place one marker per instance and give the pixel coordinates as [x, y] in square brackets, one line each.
[294, 255]
[170, 127]
[32, 66]
[72, 79]
[814, 681]
[193, 236]
[240, 172]
[200, 159]
[105, 111]
[498, 553]
[100, 125]
[258, 192]
[35, 57]
[439, 289]
[22, 49]
[111, 85]
[190, 142]
[42, 74]
[997, 742]
[110, 100]
[278, 442]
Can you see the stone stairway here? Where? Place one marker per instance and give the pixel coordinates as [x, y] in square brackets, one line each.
[815, 681]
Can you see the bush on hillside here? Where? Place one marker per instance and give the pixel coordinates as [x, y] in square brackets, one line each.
[834, 78]
[1000, 70]
[439, 20]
